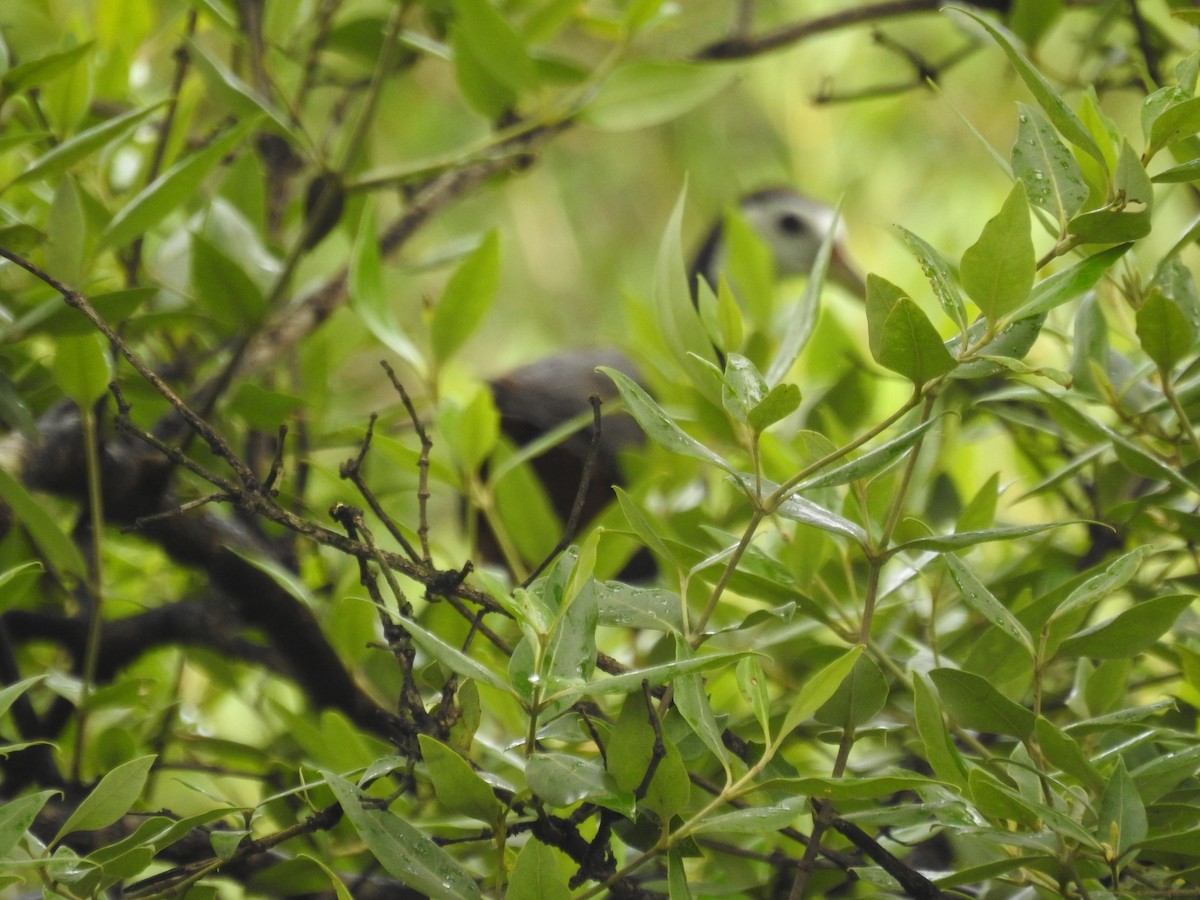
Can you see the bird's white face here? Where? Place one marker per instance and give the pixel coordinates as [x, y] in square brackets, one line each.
[793, 228]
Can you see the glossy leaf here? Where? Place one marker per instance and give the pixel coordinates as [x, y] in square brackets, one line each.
[940, 752]
[941, 278]
[563, 779]
[660, 427]
[629, 752]
[1129, 633]
[1122, 815]
[1164, 331]
[901, 336]
[817, 689]
[978, 596]
[1063, 751]
[1052, 178]
[1056, 109]
[871, 462]
[973, 702]
[110, 799]
[456, 784]
[857, 700]
[536, 876]
[998, 269]
[402, 849]
[695, 706]
[1172, 125]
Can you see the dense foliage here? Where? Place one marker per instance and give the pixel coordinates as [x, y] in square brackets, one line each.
[922, 623]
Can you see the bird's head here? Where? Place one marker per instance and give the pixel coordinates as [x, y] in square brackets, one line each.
[792, 227]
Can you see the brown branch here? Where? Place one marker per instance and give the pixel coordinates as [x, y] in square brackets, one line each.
[744, 46]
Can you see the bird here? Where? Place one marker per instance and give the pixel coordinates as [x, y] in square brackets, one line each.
[537, 397]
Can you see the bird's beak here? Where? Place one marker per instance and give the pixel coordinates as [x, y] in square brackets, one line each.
[844, 273]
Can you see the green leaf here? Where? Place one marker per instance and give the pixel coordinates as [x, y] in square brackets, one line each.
[1164, 331]
[37, 72]
[1122, 815]
[1127, 217]
[536, 876]
[1062, 750]
[805, 511]
[451, 657]
[944, 542]
[1013, 342]
[1172, 125]
[1056, 109]
[652, 675]
[402, 849]
[802, 319]
[901, 336]
[752, 683]
[998, 269]
[1068, 284]
[857, 700]
[1096, 587]
[938, 271]
[694, 705]
[17, 815]
[495, 44]
[759, 819]
[368, 297]
[11, 692]
[1131, 632]
[974, 703]
[116, 793]
[55, 546]
[63, 156]
[742, 387]
[222, 285]
[562, 779]
[340, 891]
[984, 602]
[817, 690]
[457, 785]
[940, 752]
[488, 96]
[1132, 455]
[780, 402]
[173, 189]
[630, 749]
[570, 653]
[622, 605]
[660, 427]
[1051, 176]
[649, 92]
[82, 367]
[678, 321]
[869, 787]
[1188, 171]
[237, 97]
[468, 295]
[869, 463]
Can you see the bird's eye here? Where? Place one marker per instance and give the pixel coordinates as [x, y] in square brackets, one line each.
[792, 224]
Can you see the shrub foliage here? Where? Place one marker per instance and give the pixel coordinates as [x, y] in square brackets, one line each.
[922, 624]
